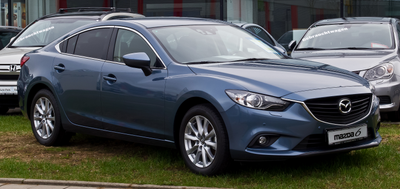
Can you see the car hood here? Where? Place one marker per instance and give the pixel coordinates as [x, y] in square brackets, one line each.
[280, 77]
[13, 55]
[352, 60]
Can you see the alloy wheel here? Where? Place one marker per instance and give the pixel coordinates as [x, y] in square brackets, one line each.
[200, 141]
[44, 117]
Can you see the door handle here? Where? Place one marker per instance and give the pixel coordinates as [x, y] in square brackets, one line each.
[110, 78]
[59, 68]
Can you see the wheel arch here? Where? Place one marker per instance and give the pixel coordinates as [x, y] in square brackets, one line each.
[183, 108]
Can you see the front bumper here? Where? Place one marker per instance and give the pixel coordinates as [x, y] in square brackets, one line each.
[293, 127]
[389, 94]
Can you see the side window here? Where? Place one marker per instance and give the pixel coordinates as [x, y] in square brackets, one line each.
[261, 33]
[71, 45]
[93, 43]
[129, 42]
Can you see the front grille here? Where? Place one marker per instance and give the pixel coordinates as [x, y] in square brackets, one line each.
[327, 109]
[9, 77]
[320, 142]
[384, 100]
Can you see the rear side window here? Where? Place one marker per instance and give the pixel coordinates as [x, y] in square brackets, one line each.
[261, 33]
[92, 43]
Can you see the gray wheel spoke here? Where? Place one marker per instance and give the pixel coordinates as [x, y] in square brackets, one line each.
[199, 125]
[197, 157]
[36, 117]
[47, 106]
[210, 135]
[42, 105]
[212, 144]
[50, 124]
[191, 150]
[190, 137]
[203, 154]
[209, 154]
[39, 109]
[39, 126]
[51, 118]
[193, 129]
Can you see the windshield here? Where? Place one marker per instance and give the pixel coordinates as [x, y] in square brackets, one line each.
[45, 31]
[211, 43]
[348, 36]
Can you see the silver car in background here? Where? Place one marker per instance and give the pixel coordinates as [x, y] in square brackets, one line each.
[368, 46]
[40, 33]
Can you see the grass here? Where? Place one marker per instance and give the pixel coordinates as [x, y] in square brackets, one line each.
[89, 158]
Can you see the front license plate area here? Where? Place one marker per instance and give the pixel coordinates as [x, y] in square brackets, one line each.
[339, 136]
[8, 90]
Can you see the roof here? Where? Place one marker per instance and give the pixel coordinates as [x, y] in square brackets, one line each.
[153, 22]
[354, 20]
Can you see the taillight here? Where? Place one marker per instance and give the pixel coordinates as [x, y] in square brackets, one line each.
[23, 60]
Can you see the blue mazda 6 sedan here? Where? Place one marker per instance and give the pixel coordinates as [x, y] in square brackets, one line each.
[208, 88]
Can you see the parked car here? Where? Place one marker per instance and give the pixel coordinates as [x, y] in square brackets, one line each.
[206, 87]
[289, 36]
[40, 33]
[6, 33]
[263, 34]
[366, 46]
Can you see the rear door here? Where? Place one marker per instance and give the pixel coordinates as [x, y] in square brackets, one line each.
[77, 75]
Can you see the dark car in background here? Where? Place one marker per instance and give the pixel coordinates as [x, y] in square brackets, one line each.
[292, 35]
[367, 46]
[209, 88]
[263, 34]
[6, 33]
[40, 33]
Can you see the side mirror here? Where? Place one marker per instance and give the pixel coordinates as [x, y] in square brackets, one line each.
[292, 44]
[280, 49]
[138, 60]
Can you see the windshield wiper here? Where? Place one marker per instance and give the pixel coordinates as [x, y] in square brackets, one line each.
[311, 48]
[353, 48]
[204, 62]
[249, 59]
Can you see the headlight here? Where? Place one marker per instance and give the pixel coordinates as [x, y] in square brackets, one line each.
[257, 101]
[382, 71]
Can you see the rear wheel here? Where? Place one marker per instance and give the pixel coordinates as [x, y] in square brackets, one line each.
[203, 141]
[45, 120]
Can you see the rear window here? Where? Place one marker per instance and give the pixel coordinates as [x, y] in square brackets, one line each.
[45, 31]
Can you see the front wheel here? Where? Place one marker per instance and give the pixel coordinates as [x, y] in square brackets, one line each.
[45, 120]
[203, 140]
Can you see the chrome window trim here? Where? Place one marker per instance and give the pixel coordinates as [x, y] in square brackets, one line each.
[312, 115]
[148, 43]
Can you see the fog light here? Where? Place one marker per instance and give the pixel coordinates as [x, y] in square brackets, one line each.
[262, 140]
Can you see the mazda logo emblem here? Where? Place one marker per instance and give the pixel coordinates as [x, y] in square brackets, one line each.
[344, 105]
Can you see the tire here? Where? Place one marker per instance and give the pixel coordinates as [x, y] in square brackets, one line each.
[204, 149]
[3, 110]
[46, 121]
